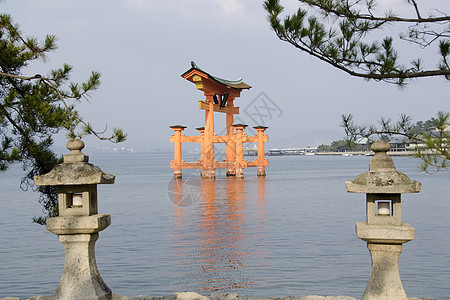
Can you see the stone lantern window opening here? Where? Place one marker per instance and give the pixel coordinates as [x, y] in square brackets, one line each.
[373, 206]
[71, 196]
[76, 201]
[384, 207]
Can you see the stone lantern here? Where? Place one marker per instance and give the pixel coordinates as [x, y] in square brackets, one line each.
[383, 230]
[78, 223]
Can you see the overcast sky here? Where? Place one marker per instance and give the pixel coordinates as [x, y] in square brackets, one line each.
[141, 47]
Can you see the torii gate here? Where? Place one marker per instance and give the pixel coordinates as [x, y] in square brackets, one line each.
[220, 95]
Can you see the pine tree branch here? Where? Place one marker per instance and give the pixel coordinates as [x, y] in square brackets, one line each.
[50, 83]
[342, 45]
[37, 76]
[395, 74]
[416, 8]
[370, 17]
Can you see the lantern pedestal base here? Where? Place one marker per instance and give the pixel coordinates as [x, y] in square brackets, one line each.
[80, 278]
[385, 245]
[384, 282]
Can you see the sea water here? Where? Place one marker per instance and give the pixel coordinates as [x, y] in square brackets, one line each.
[291, 233]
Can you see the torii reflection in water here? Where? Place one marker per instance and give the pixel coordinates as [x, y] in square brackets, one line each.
[214, 237]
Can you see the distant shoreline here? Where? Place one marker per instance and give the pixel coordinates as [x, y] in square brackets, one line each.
[367, 153]
[347, 153]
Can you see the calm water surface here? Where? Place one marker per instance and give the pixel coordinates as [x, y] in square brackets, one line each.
[291, 233]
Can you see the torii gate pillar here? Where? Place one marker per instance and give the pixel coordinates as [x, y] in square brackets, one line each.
[240, 162]
[176, 139]
[208, 170]
[261, 161]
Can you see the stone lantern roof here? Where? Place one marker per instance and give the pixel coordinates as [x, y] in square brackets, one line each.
[383, 177]
[76, 169]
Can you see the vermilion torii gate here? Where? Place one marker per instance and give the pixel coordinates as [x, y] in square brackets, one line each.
[220, 95]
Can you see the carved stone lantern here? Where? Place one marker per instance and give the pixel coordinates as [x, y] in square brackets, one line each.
[383, 230]
[78, 223]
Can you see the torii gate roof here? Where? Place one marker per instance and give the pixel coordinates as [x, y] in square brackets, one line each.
[195, 70]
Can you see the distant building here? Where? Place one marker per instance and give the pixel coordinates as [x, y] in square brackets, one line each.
[250, 152]
[399, 144]
[293, 151]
